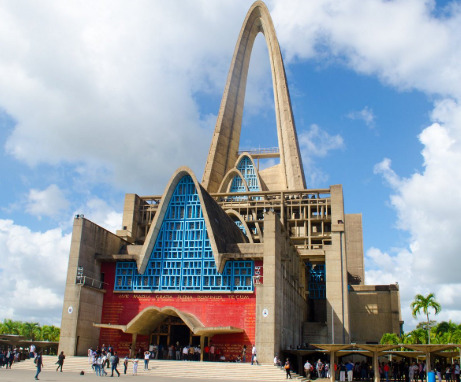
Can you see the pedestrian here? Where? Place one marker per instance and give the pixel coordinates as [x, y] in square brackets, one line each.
[90, 356]
[146, 360]
[212, 353]
[342, 372]
[125, 365]
[307, 369]
[349, 370]
[103, 364]
[288, 368]
[39, 363]
[114, 363]
[98, 366]
[253, 354]
[32, 351]
[135, 366]
[60, 362]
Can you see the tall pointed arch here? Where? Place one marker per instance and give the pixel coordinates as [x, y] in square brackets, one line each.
[226, 138]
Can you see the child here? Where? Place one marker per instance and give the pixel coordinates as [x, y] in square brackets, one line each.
[135, 366]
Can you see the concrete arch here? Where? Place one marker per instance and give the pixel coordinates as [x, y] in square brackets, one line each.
[146, 321]
[149, 318]
[245, 154]
[227, 181]
[249, 235]
[226, 138]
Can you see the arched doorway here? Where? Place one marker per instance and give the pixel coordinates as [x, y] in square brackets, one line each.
[173, 331]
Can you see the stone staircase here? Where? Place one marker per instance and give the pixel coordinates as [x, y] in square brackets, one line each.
[179, 369]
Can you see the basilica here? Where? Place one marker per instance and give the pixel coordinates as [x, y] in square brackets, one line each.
[246, 255]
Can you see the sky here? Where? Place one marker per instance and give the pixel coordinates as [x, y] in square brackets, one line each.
[103, 98]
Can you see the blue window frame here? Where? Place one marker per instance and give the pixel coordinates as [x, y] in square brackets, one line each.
[245, 166]
[182, 258]
[316, 281]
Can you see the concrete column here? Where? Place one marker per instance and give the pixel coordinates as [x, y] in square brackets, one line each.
[202, 347]
[332, 366]
[300, 364]
[376, 376]
[428, 365]
[134, 336]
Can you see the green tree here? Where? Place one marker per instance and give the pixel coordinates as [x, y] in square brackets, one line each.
[390, 339]
[10, 327]
[30, 330]
[424, 304]
[50, 333]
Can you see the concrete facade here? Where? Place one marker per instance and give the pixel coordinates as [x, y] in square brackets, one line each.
[307, 280]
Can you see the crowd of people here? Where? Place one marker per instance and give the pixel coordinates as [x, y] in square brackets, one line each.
[8, 356]
[396, 371]
[105, 357]
[11, 355]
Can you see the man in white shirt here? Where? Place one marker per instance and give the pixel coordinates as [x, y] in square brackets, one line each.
[307, 369]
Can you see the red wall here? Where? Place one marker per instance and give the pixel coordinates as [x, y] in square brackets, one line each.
[212, 309]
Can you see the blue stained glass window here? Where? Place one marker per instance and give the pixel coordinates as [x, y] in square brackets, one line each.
[316, 282]
[182, 258]
[245, 166]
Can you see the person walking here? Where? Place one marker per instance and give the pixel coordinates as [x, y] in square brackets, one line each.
[114, 363]
[288, 368]
[125, 365]
[307, 369]
[60, 362]
[39, 363]
[98, 366]
[253, 354]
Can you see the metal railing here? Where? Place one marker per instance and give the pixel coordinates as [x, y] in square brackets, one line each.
[90, 282]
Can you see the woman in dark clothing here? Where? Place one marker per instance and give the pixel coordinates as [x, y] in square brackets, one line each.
[60, 361]
[288, 368]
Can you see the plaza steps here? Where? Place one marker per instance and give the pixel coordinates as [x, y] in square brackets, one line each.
[179, 369]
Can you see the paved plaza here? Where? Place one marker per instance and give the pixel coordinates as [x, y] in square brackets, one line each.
[28, 375]
[159, 371]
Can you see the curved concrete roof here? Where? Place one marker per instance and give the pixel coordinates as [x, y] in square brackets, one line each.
[151, 317]
[221, 229]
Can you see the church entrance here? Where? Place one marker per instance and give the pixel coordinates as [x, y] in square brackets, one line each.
[173, 331]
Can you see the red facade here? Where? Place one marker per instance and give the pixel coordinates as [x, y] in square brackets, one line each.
[212, 309]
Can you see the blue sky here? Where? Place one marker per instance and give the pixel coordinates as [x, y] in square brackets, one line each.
[105, 98]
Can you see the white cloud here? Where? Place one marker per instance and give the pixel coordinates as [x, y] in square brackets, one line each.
[366, 115]
[316, 143]
[33, 269]
[401, 42]
[428, 207]
[33, 265]
[98, 211]
[111, 84]
[49, 202]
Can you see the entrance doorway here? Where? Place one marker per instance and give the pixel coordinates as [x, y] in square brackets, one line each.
[179, 334]
[172, 331]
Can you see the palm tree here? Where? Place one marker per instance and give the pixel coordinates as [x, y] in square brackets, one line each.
[10, 327]
[424, 304]
[390, 339]
[30, 330]
[50, 333]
